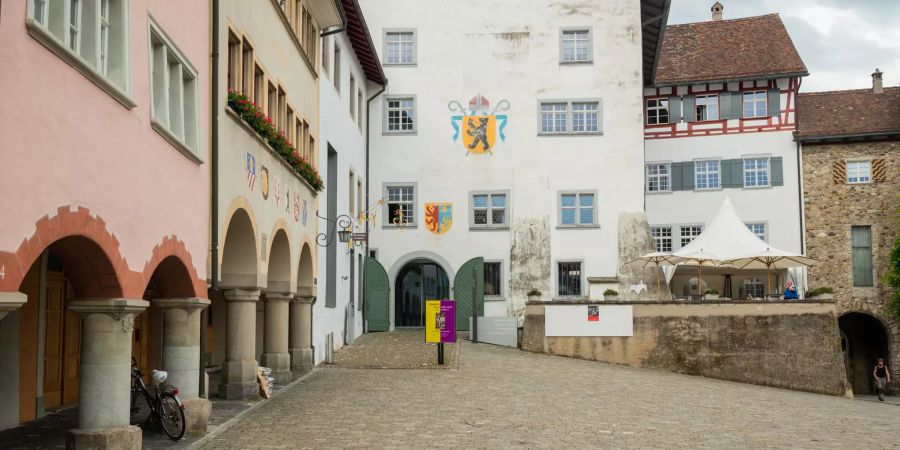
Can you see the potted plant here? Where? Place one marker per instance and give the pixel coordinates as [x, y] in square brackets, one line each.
[821, 293]
[534, 295]
[711, 294]
[610, 294]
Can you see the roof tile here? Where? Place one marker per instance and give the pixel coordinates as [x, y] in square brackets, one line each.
[848, 113]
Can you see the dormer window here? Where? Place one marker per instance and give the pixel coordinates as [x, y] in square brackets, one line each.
[657, 111]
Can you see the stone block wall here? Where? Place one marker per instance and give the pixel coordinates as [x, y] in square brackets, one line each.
[831, 209]
[792, 345]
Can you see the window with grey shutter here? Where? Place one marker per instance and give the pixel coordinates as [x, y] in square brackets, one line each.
[677, 177]
[725, 105]
[674, 109]
[862, 255]
[774, 102]
[687, 176]
[777, 171]
[737, 105]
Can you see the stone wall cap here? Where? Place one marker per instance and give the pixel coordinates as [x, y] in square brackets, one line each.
[108, 305]
[241, 295]
[679, 302]
[189, 302]
[279, 296]
[307, 291]
[12, 300]
[603, 279]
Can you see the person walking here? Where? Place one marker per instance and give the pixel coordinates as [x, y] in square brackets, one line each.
[882, 377]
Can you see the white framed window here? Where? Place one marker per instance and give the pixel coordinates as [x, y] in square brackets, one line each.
[756, 172]
[401, 204]
[575, 45]
[337, 67]
[91, 35]
[174, 92]
[707, 107]
[400, 47]
[706, 174]
[489, 209]
[570, 117]
[569, 279]
[662, 235]
[352, 96]
[360, 108]
[752, 288]
[577, 209]
[493, 279]
[689, 233]
[759, 229]
[657, 111]
[755, 104]
[859, 172]
[400, 115]
[659, 177]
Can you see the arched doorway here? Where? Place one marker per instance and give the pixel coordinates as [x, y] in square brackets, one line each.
[418, 280]
[863, 340]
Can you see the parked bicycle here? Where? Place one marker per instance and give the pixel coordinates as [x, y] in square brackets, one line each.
[166, 409]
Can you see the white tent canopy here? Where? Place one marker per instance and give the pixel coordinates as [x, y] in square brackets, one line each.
[726, 238]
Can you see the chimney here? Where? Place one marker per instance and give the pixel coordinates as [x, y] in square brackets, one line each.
[877, 86]
[717, 11]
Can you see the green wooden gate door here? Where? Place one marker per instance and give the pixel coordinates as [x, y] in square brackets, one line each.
[469, 283]
[378, 293]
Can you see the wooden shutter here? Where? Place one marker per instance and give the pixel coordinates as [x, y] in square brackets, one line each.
[777, 171]
[725, 99]
[774, 103]
[879, 170]
[687, 176]
[676, 181]
[674, 109]
[839, 172]
[732, 173]
[690, 110]
[726, 179]
[737, 105]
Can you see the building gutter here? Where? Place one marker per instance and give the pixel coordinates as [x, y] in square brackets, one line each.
[343, 26]
[367, 204]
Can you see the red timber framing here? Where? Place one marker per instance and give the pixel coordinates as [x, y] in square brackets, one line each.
[786, 120]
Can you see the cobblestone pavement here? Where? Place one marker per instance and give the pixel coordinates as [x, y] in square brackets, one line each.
[502, 398]
[403, 349]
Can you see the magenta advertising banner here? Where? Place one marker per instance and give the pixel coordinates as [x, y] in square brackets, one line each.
[448, 311]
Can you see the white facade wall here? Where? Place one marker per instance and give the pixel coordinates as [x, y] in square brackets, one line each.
[344, 131]
[512, 55]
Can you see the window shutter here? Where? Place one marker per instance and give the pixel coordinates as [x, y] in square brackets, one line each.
[674, 109]
[839, 172]
[725, 99]
[777, 171]
[737, 173]
[774, 103]
[879, 170]
[725, 171]
[737, 105]
[687, 176]
[690, 111]
[677, 169]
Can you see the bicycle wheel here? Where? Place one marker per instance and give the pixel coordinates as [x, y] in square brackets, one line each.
[171, 417]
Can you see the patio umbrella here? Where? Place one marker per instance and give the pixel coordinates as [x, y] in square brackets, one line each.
[656, 259]
[771, 258]
[698, 258]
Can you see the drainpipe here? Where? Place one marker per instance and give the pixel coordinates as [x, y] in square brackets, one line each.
[368, 114]
[214, 184]
[802, 294]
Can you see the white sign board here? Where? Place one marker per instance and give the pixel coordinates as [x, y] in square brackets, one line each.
[588, 320]
[498, 330]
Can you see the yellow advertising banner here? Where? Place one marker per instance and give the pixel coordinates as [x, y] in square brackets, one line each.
[432, 311]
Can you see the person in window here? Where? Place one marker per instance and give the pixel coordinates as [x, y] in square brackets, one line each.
[882, 377]
[790, 292]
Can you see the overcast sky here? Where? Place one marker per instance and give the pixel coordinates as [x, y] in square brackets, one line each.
[841, 41]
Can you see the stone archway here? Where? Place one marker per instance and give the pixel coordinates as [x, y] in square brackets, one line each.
[864, 338]
[417, 281]
[239, 254]
[273, 321]
[300, 326]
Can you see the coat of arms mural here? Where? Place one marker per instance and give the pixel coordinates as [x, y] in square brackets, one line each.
[480, 125]
[438, 217]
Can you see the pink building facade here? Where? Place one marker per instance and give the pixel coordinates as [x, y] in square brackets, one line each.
[104, 229]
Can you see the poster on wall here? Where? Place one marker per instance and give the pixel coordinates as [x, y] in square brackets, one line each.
[440, 321]
[589, 320]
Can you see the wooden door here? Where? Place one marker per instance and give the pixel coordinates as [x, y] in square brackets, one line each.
[140, 343]
[468, 289]
[53, 359]
[71, 354]
[377, 296]
[28, 344]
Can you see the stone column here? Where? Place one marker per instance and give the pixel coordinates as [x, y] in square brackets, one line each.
[275, 346]
[239, 369]
[105, 377]
[301, 329]
[181, 357]
[10, 301]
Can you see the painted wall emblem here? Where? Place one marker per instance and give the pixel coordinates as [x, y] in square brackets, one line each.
[264, 181]
[479, 128]
[438, 217]
[251, 171]
[303, 213]
[296, 207]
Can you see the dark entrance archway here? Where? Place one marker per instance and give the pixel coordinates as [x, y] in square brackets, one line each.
[417, 281]
[863, 340]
